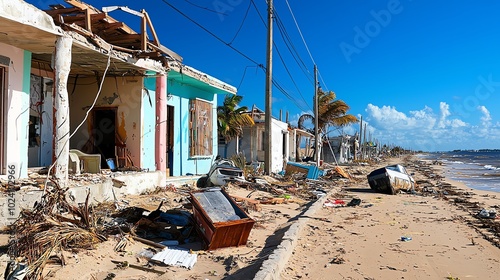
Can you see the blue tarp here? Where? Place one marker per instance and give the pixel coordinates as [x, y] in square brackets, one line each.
[313, 172]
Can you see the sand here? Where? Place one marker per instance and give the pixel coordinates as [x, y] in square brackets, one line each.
[362, 242]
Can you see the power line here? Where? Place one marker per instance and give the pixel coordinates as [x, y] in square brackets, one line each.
[242, 22]
[286, 68]
[205, 8]
[291, 48]
[259, 65]
[304, 41]
[211, 33]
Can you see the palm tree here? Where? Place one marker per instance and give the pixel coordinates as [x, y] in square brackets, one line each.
[331, 112]
[231, 118]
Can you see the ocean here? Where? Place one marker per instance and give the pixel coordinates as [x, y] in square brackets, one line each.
[477, 169]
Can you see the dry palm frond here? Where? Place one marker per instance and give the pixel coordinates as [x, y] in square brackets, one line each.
[43, 231]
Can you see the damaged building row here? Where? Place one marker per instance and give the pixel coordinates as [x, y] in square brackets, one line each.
[142, 106]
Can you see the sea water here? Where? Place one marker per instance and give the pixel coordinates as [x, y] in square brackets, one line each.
[478, 169]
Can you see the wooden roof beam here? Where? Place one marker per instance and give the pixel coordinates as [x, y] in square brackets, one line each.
[151, 27]
[63, 11]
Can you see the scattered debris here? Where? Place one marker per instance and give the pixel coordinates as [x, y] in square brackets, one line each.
[176, 257]
[487, 214]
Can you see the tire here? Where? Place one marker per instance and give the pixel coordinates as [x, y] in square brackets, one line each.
[202, 182]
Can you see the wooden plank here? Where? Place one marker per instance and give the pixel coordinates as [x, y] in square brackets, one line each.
[124, 37]
[151, 27]
[149, 242]
[167, 51]
[82, 6]
[94, 10]
[63, 11]
[144, 34]
[88, 21]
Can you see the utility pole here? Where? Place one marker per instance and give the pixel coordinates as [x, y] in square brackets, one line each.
[361, 139]
[316, 116]
[269, 85]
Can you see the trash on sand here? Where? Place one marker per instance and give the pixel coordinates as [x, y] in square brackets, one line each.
[354, 202]
[334, 203]
[488, 214]
[319, 193]
[406, 238]
[15, 271]
[125, 264]
[176, 257]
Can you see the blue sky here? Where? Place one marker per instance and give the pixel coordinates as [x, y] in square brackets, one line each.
[423, 74]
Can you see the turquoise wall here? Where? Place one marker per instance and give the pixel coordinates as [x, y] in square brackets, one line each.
[24, 117]
[148, 124]
[183, 164]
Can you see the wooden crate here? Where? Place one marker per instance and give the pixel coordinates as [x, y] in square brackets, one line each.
[210, 210]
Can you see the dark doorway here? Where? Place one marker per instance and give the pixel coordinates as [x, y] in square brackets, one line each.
[170, 139]
[3, 125]
[103, 133]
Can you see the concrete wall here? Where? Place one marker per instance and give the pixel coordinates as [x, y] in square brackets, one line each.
[17, 107]
[135, 115]
[279, 132]
[180, 94]
[251, 147]
[148, 124]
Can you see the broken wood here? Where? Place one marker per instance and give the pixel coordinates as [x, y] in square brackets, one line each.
[342, 172]
[126, 264]
[149, 242]
[276, 200]
[253, 202]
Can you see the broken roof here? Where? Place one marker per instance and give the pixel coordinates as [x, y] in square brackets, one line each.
[16, 16]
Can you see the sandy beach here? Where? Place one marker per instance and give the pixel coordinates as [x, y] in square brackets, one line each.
[433, 234]
[366, 242]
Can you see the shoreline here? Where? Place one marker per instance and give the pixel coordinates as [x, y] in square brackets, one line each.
[434, 234]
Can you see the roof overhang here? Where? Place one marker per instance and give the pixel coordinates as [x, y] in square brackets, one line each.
[90, 57]
[26, 27]
[303, 133]
[195, 78]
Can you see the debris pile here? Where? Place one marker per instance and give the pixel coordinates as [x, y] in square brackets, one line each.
[53, 225]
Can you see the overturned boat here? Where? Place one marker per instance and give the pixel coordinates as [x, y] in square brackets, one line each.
[391, 179]
[221, 172]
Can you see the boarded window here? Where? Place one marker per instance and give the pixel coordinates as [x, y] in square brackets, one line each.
[201, 136]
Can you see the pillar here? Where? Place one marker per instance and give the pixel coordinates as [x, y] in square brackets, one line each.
[62, 67]
[161, 123]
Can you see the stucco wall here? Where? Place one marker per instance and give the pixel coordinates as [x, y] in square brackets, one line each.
[252, 139]
[279, 130]
[149, 124]
[17, 107]
[180, 95]
[128, 95]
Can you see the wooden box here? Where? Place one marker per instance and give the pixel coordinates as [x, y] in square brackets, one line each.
[219, 220]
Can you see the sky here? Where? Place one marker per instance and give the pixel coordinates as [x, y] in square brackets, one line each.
[422, 74]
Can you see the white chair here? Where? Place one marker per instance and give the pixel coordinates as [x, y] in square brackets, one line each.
[88, 163]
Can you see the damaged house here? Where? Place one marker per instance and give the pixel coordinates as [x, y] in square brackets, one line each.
[288, 144]
[75, 70]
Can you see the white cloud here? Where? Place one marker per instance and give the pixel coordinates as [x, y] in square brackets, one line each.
[421, 129]
[445, 113]
[486, 118]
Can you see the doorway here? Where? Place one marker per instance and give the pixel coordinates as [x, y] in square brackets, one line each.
[104, 133]
[170, 139]
[3, 124]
